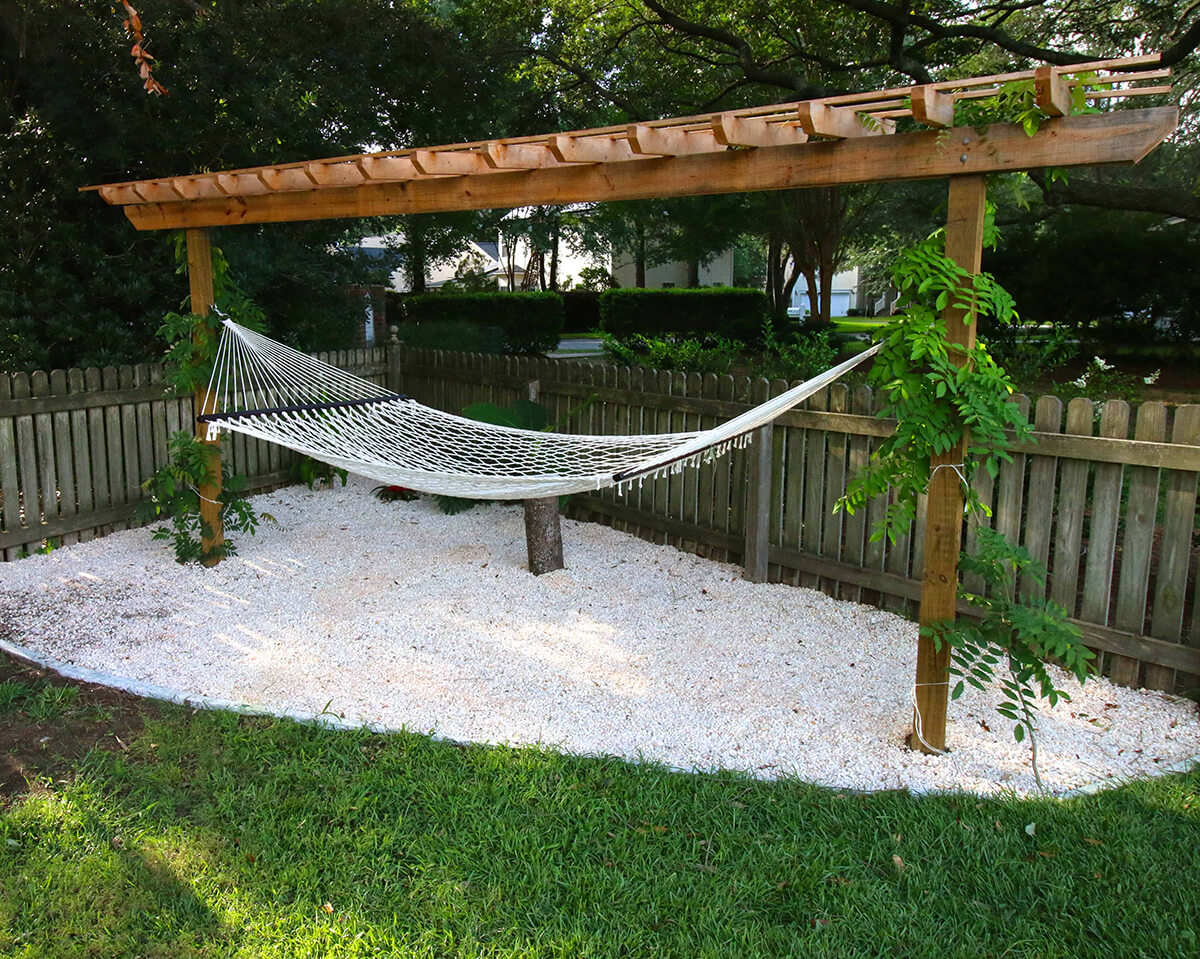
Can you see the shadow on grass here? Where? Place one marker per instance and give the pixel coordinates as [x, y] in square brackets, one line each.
[266, 838]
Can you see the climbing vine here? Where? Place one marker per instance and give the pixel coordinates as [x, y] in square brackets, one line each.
[173, 492]
[942, 394]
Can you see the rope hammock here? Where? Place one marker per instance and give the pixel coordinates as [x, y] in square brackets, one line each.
[264, 389]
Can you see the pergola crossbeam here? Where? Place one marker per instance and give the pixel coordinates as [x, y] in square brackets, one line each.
[877, 113]
[1123, 136]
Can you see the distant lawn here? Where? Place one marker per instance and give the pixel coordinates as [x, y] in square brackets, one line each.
[860, 324]
[214, 835]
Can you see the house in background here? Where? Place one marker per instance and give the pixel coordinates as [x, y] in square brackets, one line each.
[846, 294]
[717, 272]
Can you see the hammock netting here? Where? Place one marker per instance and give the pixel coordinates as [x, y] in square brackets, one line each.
[266, 390]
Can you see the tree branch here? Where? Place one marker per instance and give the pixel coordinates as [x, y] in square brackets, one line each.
[747, 59]
[1118, 196]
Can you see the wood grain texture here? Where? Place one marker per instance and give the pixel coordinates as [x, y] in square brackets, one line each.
[1120, 137]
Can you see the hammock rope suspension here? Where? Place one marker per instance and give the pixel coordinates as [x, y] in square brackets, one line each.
[263, 389]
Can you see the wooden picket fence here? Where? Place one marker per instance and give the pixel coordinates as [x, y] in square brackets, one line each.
[76, 445]
[1106, 497]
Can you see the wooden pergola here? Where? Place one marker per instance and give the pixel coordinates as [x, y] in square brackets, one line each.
[904, 133]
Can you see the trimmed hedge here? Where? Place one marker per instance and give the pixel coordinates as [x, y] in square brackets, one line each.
[581, 310]
[528, 322]
[723, 311]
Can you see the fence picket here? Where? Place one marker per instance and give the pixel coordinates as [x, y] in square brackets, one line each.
[778, 479]
[64, 471]
[81, 454]
[1138, 540]
[793, 495]
[1010, 489]
[22, 388]
[43, 429]
[97, 440]
[705, 494]
[834, 486]
[1072, 499]
[10, 484]
[1039, 515]
[1179, 519]
[814, 487]
[1102, 534]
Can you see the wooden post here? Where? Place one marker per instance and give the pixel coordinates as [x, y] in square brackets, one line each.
[200, 279]
[543, 525]
[944, 518]
[395, 361]
[758, 504]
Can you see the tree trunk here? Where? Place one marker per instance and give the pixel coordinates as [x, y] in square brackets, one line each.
[693, 274]
[814, 296]
[543, 535]
[639, 258]
[826, 293]
[543, 527]
[416, 270]
[554, 238]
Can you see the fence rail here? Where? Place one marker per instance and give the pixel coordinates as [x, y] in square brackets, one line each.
[1105, 496]
[76, 445]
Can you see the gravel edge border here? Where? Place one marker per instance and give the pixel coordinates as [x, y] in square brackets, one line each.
[331, 721]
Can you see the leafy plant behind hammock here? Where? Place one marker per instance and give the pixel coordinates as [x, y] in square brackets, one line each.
[522, 415]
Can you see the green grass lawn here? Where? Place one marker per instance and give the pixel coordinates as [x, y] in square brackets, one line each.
[209, 834]
[860, 324]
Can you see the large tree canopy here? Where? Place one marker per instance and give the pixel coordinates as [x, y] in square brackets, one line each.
[266, 81]
[650, 57]
[250, 83]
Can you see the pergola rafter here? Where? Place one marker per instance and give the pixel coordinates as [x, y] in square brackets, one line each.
[883, 135]
[618, 162]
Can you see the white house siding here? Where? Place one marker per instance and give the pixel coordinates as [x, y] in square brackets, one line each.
[718, 272]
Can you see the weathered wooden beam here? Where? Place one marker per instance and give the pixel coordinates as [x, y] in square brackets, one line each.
[1123, 136]
[200, 281]
[1051, 92]
[820, 119]
[735, 131]
[932, 107]
[669, 142]
[944, 515]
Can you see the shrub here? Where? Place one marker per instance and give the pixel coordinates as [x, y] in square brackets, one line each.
[174, 494]
[799, 355]
[688, 355]
[528, 322]
[721, 311]
[581, 310]
[461, 335]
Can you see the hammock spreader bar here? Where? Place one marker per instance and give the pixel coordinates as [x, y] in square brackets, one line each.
[302, 408]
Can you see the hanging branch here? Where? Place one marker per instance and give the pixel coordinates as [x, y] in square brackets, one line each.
[141, 56]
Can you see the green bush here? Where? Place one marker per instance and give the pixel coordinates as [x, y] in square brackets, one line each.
[687, 355]
[581, 310]
[460, 335]
[528, 322]
[798, 355]
[721, 311]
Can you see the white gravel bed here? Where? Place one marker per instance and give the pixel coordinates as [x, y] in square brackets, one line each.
[395, 615]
